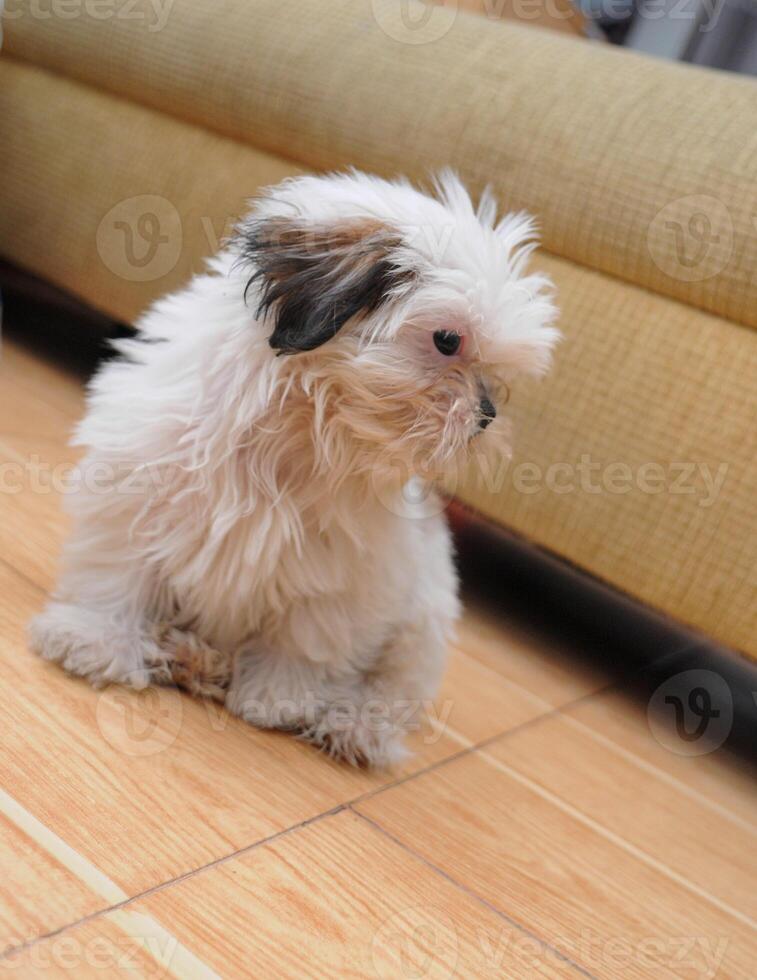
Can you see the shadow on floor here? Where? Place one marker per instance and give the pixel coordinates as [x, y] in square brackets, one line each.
[53, 324]
[651, 657]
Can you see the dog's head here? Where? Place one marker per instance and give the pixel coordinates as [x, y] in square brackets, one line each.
[407, 316]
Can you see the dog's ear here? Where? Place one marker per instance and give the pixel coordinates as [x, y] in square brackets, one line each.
[314, 279]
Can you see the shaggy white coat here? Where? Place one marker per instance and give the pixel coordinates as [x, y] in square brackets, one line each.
[242, 510]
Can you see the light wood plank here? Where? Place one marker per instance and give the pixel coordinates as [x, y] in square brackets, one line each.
[121, 944]
[39, 404]
[32, 527]
[477, 703]
[666, 821]
[339, 899]
[47, 385]
[725, 782]
[336, 898]
[94, 950]
[548, 671]
[539, 863]
[37, 894]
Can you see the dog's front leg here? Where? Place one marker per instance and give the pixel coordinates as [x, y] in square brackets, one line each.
[407, 673]
[358, 715]
[325, 706]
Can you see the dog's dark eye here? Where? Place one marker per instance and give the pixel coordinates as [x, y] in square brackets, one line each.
[447, 342]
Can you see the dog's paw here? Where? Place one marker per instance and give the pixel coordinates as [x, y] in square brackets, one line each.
[89, 645]
[191, 664]
[358, 744]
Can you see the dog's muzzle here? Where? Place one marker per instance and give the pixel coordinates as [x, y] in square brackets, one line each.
[487, 413]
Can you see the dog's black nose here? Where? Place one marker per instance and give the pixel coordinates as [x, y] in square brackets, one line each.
[488, 413]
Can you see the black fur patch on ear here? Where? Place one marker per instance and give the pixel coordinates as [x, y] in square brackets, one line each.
[316, 279]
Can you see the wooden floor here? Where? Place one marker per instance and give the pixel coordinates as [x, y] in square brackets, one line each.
[539, 830]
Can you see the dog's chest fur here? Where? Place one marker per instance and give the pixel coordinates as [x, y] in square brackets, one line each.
[329, 594]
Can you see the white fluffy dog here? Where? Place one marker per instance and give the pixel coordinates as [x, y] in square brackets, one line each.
[241, 528]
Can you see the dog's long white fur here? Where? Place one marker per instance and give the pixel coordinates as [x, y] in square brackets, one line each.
[238, 501]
